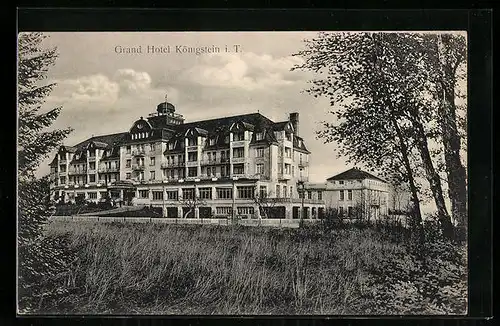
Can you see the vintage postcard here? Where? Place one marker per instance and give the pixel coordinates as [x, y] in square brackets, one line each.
[242, 173]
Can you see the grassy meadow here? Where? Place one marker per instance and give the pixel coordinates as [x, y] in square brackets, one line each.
[128, 268]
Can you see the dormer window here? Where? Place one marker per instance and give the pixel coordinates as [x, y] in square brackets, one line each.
[211, 141]
[341, 182]
[259, 136]
[288, 136]
[170, 146]
[193, 141]
[226, 139]
[237, 136]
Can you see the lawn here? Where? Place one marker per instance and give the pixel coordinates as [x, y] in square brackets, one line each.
[128, 268]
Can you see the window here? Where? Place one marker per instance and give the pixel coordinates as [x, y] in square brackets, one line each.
[91, 165]
[239, 169]
[193, 141]
[237, 136]
[278, 191]
[224, 210]
[192, 156]
[320, 195]
[245, 210]
[224, 193]
[280, 168]
[259, 168]
[288, 136]
[172, 194]
[152, 161]
[143, 194]
[259, 152]
[341, 211]
[128, 175]
[157, 195]
[171, 145]
[92, 195]
[259, 136]
[309, 194]
[181, 158]
[285, 192]
[349, 211]
[288, 152]
[226, 139]
[293, 170]
[63, 180]
[141, 176]
[263, 192]
[92, 178]
[211, 141]
[188, 193]
[62, 157]
[205, 193]
[341, 195]
[152, 147]
[246, 192]
[349, 194]
[192, 172]
[128, 163]
[238, 152]
[152, 175]
[341, 182]
[62, 168]
[129, 149]
[288, 168]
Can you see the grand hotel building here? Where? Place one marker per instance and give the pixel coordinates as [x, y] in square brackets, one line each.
[245, 165]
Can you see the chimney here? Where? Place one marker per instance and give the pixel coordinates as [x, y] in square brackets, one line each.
[294, 119]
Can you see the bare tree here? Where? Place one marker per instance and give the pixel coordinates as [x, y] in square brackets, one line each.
[191, 203]
[266, 203]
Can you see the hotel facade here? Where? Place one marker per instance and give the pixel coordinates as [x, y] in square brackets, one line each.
[246, 165]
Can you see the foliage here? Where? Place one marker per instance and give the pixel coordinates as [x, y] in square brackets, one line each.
[380, 90]
[41, 261]
[169, 269]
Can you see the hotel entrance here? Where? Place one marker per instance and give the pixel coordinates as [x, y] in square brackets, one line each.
[121, 193]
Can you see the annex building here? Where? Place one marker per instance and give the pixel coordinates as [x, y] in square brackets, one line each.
[245, 165]
[354, 194]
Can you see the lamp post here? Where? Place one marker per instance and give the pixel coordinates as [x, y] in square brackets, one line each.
[300, 185]
[233, 213]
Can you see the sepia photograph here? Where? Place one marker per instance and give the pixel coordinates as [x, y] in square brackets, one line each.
[242, 173]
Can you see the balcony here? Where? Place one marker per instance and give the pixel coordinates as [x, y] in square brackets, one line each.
[303, 164]
[237, 160]
[108, 170]
[77, 172]
[238, 143]
[192, 163]
[192, 148]
[92, 158]
[215, 162]
[284, 176]
[62, 161]
[138, 152]
[138, 167]
[63, 173]
[166, 165]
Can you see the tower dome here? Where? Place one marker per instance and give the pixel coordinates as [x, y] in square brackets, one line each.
[165, 107]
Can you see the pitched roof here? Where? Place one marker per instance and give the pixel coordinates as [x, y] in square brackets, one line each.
[354, 174]
[223, 124]
[110, 139]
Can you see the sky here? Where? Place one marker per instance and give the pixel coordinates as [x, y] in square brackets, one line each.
[104, 90]
[104, 84]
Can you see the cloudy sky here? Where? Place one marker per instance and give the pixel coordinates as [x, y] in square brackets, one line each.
[104, 91]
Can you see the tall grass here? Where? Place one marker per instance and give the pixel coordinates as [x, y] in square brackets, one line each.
[170, 269]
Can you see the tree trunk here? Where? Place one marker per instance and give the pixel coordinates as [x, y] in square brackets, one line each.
[433, 178]
[416, 213]
[457, 188]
